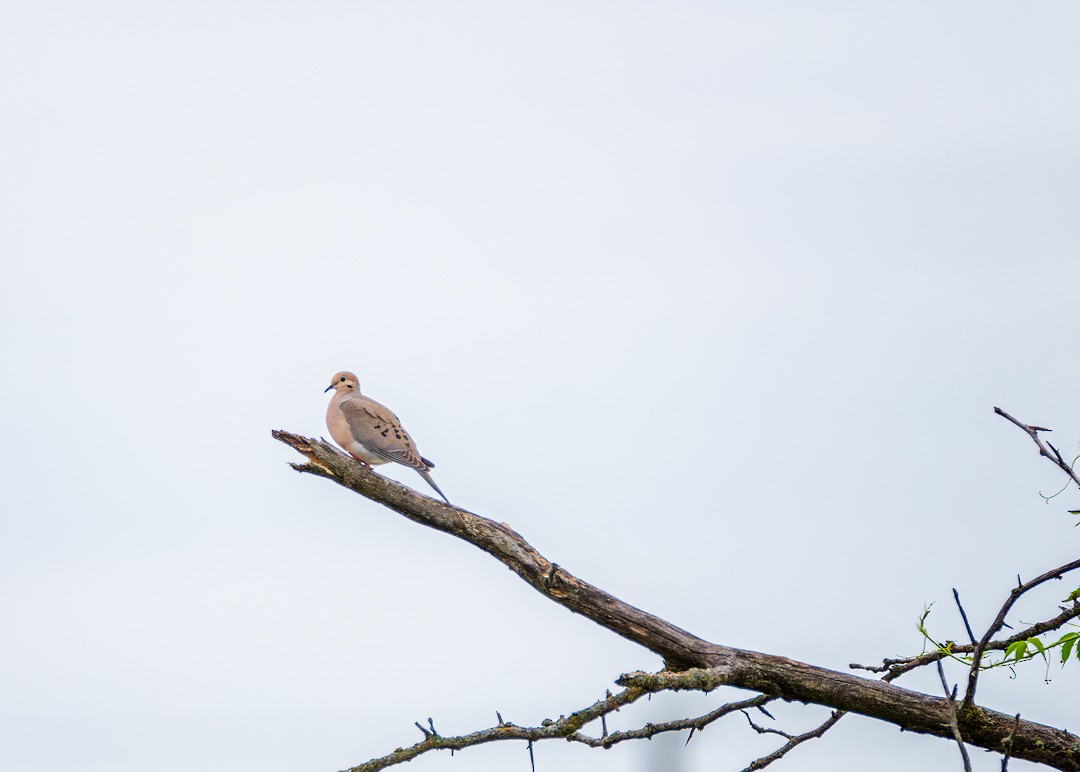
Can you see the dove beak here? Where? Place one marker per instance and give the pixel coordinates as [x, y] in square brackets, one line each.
[328, 388]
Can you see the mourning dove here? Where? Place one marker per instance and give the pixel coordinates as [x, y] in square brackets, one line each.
[370, 432]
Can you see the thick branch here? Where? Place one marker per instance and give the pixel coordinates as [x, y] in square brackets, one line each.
[679, 648]
[763, 673]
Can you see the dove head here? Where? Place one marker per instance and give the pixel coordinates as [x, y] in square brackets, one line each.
[343, 381]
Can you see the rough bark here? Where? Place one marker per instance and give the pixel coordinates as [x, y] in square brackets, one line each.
[764, 673]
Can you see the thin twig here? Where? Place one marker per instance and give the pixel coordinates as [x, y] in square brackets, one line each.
[569, 727]
[999, 621]
[792, 740]
[650, 730]
[963, 615]
[1008, 743]
[766, 729]
[896, 667]
[505, 730]
[951, 695]
[1044, 450]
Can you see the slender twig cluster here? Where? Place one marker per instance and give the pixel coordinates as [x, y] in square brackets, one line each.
[568, 727]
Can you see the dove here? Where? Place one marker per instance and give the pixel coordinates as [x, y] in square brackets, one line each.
[370, 432]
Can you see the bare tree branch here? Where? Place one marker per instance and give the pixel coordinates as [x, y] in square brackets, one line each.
[896, 667]
[763, 673]
[792, 740]
[963, 615]
[693, 724]
[999, 621]
[567, 727]
[951, 694]
[1044, 447]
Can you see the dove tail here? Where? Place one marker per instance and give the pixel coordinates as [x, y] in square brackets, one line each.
[431, 482]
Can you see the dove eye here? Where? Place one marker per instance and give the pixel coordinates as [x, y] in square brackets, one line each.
[343, 379]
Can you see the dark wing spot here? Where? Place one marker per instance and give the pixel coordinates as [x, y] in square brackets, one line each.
[384, 432]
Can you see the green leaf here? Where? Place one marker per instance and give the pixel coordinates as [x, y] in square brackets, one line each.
[1074, 595]
[1016, 650]
[1038, 646]
[1067, 642]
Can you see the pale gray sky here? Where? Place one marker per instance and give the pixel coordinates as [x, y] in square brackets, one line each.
[711, 301]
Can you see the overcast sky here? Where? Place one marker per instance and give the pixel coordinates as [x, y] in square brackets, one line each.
[711, 301]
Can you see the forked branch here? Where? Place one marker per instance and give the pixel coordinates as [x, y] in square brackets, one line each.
[566, 727]
[999, 622]
[768, 675]
[1045, 448]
